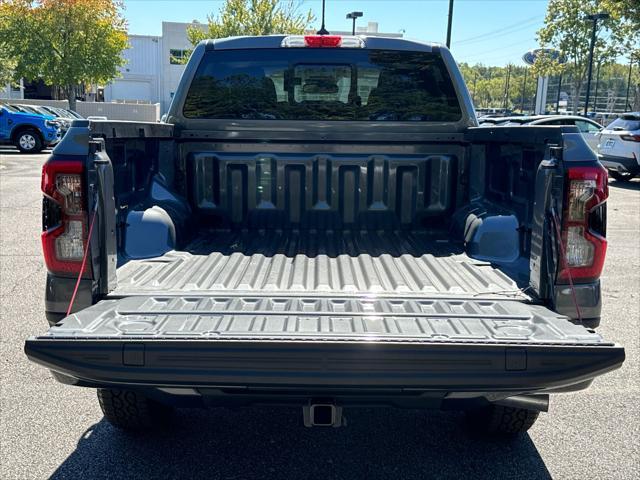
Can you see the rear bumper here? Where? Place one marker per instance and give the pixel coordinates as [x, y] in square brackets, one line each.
[323, 366]
[588, 297]
[620, 164]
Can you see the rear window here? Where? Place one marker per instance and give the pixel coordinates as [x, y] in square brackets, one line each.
[627, 122]
[322, 84]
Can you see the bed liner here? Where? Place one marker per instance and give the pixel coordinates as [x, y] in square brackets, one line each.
[322, 263]
[262, 309]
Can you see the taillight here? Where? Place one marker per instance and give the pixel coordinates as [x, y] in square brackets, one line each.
[64, 233]
[583, 224]
[630, 138]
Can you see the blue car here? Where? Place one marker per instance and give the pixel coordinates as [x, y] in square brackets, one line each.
[29, 132]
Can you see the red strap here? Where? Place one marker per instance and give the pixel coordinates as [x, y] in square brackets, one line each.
[84, 261]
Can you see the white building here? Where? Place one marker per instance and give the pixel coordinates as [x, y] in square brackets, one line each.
[12, 92]
[153, 69]
[371, 28]
[152, 72]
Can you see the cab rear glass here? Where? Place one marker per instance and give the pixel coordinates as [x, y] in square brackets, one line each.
[335, 84]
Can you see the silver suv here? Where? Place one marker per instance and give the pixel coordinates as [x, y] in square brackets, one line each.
[619, 147]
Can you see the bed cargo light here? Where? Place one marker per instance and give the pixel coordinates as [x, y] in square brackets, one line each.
[322, 41]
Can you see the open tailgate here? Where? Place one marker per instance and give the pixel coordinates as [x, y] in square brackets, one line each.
[323, 341]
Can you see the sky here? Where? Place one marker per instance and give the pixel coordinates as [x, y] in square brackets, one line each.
[492, 32]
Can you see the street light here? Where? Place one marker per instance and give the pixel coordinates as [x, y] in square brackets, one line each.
[593, 18]
[626, 99]
[353, 16]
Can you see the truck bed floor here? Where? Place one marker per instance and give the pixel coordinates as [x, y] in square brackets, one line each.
[318, 263]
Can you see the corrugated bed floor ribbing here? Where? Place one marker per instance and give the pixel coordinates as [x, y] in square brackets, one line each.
[320, 263]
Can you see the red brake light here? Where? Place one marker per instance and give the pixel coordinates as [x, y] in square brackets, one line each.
[322, 41]
[64, 217]
[584, 247]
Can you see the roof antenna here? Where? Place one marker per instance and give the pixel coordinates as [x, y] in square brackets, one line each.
[323, 31]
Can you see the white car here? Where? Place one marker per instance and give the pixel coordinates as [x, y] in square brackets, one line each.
[589, 129]
[619, 148]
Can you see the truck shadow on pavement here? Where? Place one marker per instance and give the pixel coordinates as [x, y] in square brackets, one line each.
[272, 443]
[16, 152]
[630, 185]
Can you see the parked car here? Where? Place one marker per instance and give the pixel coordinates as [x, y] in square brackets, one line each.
[329, 232]
[25, 109]
[29, 132]
[589, 128]
[62, 119]
[619, 148]
[63, 112]
[62, 123]
[73, 114]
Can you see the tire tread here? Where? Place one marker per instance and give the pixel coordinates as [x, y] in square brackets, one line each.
[130, 410]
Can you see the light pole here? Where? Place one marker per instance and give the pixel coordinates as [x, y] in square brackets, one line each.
[449, 23]
[506, 89]
[475, 79]
[524, 91]
[595, 96]
[558, 96]
[353, 16]
[593, 18]
[626, 99]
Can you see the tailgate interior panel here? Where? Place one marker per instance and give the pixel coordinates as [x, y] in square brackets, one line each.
[316, 341]
[323, 318]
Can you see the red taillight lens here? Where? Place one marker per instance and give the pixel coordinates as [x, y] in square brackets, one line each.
[585, 248]
[322, 41]
[65, 232]
[630, 138]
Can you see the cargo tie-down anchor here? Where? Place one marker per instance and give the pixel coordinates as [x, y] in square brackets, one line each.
[324, 414]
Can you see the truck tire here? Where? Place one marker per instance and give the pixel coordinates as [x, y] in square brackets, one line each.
[131, 411]
[28, 141]
[499, 420]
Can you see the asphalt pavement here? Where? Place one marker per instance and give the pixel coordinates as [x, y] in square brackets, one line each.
[51, 430]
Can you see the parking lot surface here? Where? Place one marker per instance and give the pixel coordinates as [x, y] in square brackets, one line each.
[51, 430]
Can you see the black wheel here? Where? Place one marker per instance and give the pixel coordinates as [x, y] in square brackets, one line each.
[131, 411]
[28, 141]
[498, 420]
[620, 177]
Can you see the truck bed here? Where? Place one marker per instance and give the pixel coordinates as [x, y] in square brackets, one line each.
[318, 263]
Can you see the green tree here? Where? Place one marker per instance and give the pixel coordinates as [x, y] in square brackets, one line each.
[487, 86]
[567, 29]
[7, 68]
[7, 63]
[65, 43]
[629, 37]
[253, 17]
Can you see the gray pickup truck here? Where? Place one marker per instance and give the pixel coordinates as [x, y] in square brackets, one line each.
[321, 223]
